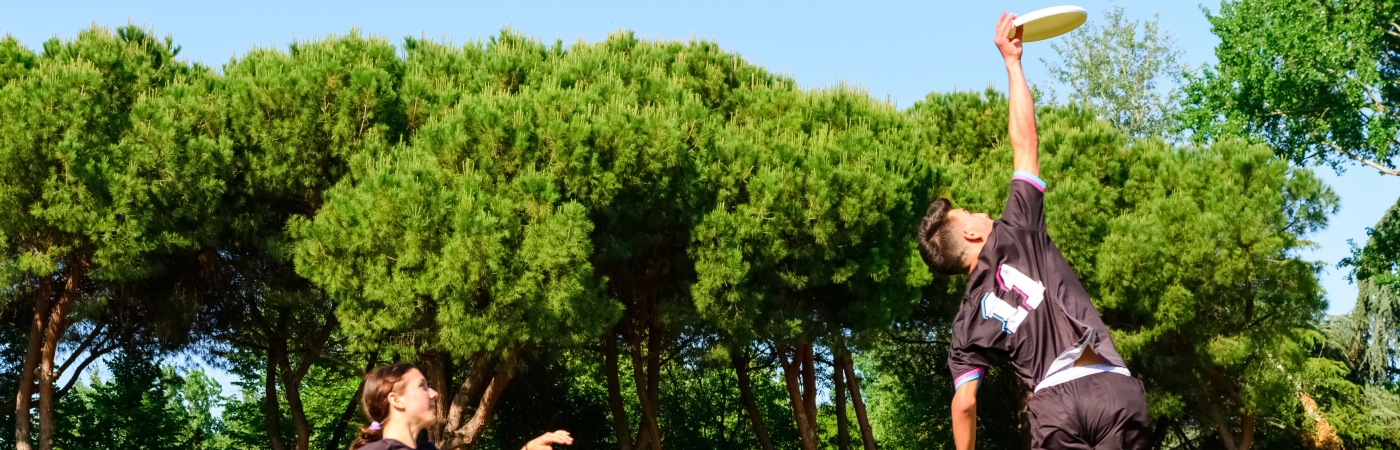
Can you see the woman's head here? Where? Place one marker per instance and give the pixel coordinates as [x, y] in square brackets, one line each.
[396, 394]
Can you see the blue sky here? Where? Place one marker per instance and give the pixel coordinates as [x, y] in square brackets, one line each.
[896, 50]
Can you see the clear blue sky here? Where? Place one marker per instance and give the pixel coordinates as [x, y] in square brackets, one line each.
[896, 50]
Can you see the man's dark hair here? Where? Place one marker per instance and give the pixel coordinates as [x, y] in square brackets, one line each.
[938, 242]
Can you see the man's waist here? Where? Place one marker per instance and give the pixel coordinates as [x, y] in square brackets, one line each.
[1074, 372]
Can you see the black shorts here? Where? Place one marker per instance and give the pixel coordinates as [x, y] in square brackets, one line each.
[1100, 411]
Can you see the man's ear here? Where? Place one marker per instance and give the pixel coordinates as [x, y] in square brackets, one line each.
[970, 234]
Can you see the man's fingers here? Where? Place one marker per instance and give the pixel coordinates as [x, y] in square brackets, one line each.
[1001, 28]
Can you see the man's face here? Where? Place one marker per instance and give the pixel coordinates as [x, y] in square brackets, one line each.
[971, 227]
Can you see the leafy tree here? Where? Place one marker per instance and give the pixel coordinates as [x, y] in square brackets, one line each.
[812, 201]
[1210, 307]
[298, 117]
[428, 256]
[1360, 413]
[201, 395]
[1129, 72]
[245, 422]
[143, 405]
[113, 157]
[1369, 338]
[1318, 80]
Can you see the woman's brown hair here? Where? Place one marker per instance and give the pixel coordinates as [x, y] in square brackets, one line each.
[375, 400]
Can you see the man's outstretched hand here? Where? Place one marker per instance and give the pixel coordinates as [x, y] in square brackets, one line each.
[1010, 47]
[547, 441]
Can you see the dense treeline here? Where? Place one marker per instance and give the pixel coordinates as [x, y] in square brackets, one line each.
[650, 244]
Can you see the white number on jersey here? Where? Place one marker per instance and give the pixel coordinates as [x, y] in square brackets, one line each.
[1010, 279]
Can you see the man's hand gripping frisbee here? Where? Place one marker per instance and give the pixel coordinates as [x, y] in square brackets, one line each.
[1010, 47]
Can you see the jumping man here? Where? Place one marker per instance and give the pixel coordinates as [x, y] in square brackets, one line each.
[1024, 302]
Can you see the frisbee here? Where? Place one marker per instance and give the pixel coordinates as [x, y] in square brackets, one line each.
[1046, 23]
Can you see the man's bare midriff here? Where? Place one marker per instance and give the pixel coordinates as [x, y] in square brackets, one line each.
[1088, 358]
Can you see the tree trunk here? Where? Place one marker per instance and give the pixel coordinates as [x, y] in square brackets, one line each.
[438, 372]
[24, 399]
[838, 387]
[53, 332]
[1322, 435]
[291, 385]
[470, 432]
[342, 425]
[654, 344]
[307, 355]
[1227, 387]
[853, 384]
[271, 405]
[298, 413]
[1222, 427]
[741, 371]
[791, 372]
[469, 393]
[809, 385]
[621, 429]
[1247, 431]
[649, 435]
[487, 406]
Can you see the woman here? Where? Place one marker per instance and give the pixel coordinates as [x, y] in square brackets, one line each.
[399, 403]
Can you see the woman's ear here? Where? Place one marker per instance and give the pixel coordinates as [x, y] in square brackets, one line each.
[395, 400]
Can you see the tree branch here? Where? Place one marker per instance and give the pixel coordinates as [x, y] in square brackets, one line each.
[83, 346]
[312, 352]
[1365, 161]
[904, 340]
[83, 366]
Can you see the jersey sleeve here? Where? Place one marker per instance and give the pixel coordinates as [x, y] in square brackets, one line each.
[966, 360]
[1025, 204]
[965, 366]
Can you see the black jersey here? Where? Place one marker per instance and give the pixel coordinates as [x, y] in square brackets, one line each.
[1023, 301]
[386, 444]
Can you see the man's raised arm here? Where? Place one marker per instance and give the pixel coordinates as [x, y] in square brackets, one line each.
[1025, 143]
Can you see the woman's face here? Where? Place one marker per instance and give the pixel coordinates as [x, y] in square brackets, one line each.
[414, 399]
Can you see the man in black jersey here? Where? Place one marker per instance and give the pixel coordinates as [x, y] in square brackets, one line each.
[1024, 302]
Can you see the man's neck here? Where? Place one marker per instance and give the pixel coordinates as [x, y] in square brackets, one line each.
[970, 255]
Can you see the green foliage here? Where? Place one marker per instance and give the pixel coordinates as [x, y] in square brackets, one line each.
[244, 421]
[910, 392]
[508, 198]
[1127, 71]
[1199, 275]
[701, 405]
[1364, 415]
[328, 395]
[815, 196]
[1316, 80]
[143, 405]
[563, 393]
[299, 115]
[113, 147]
[1380, 258]
[497, 267]
[1370, 336]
